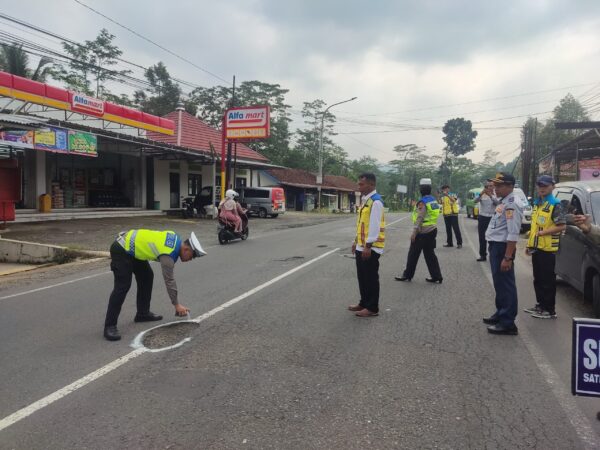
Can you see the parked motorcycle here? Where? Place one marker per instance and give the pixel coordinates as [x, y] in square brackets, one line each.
[192, 207]
[226, 229]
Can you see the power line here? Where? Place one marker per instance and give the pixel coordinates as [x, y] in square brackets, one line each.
[152, 42]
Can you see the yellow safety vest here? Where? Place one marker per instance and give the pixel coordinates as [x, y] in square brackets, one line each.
[541, 219]
[433, 211]
[449, 208]
[362, 226]
[148, 245]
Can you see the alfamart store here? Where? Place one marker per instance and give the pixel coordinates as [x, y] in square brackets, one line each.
[83, 152]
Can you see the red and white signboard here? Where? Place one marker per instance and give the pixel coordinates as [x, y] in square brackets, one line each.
[247, 123]
[87, 105]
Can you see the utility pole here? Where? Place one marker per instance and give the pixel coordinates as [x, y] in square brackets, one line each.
[228, 169]
[533, 158]
[526, 160]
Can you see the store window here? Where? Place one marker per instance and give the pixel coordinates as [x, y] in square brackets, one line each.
[240, 182]
[194, 183]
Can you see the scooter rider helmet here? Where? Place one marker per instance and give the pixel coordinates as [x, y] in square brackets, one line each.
[230, 193]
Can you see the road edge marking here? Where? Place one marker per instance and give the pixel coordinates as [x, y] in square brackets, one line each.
[576, 417]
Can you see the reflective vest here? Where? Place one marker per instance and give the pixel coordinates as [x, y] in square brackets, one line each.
[148, 245]
[449, 208]
[362, 226]
[433, 211]
[541, 219]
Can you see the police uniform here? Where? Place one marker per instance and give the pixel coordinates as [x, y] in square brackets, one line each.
[504, 226]
[425, 233]
[547, 213]
[450, 211]
[130, 255]
[370, 232]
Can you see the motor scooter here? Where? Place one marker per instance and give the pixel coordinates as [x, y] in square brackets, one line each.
[226, 228]
[192, 207]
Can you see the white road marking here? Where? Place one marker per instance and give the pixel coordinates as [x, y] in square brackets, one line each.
[53, 285]
[396, 221]
[49, 399]
[578, 420]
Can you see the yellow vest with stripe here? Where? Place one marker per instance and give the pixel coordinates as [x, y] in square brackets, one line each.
[433, 211]
[148, 245]
[362, 226]
[541, 219]
[449, 208]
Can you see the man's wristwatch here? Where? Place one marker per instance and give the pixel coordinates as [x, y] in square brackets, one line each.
[369, 245]
[509, 258]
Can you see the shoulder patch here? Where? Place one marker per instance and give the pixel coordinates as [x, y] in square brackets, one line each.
[509, 213]
[511, 199]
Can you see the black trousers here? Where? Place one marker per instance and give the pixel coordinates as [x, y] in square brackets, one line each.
[124, 266]
[452, 224]
[544, 279]
[367, 272]
[482, 224]
[424, 242]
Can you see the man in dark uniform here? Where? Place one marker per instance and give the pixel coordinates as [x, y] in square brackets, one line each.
[130, 254]
[502, 235]
[423, 237]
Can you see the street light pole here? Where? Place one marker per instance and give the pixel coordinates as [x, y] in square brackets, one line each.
[320, 176]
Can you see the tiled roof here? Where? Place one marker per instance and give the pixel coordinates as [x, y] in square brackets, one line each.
[303, 178]
[197, 135]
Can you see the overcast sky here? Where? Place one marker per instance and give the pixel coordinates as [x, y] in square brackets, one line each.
[412, 64]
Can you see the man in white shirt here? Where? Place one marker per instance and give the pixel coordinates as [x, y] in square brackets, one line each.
[368, 246]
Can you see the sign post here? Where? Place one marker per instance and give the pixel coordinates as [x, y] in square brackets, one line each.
[585, 373]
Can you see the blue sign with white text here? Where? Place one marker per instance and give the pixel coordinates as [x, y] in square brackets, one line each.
[585, 374]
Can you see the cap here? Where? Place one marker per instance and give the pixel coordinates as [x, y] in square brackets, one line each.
[545, 180]
[425, 182]
[503, 178]
[196, 247]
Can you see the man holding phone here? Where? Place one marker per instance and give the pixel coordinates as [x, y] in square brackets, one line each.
[487, 204]
[548, 221]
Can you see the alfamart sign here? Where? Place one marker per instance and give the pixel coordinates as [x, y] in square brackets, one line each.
[87, 105]
[247, 123]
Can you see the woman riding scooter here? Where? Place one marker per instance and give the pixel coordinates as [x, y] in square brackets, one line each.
[231, 211]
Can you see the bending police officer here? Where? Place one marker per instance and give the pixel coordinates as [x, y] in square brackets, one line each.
[424, 217]
[130, 255]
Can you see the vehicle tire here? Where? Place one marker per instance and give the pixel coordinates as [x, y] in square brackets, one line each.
[262, 213]
[596, 295]
[245, 234]
[222, 238]
[274, 215]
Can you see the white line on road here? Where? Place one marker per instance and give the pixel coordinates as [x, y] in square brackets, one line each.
[396, 221]
[49, 399]
[53, 285]
[578, 420]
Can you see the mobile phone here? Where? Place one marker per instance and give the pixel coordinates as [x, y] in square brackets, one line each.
[570, 218]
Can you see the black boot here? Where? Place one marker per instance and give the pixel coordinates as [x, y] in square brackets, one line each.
[402, 278]
[111, 333]
[147, 317]
[434, 280]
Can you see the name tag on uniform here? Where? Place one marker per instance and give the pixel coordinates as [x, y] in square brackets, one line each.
[170, 240]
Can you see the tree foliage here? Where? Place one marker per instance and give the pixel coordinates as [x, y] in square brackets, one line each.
[163, 95]
[459, 136]
[90, 65]
[13, 59]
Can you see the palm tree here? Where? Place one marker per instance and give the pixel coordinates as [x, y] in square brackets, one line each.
[15, 60]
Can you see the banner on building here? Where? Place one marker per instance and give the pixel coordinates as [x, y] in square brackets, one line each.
[17, 138]
[248, 123]
[81, 143]
[52, 140]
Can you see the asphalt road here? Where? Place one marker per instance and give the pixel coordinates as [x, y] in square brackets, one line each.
[284, 364]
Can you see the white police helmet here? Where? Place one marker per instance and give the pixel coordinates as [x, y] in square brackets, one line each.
[196, 246]
[425, 182]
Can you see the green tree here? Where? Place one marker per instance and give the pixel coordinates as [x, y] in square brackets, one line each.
[163, 94]
[15, 60]
[460, 139]
[89, 66]
[412, 164]
[548, 137]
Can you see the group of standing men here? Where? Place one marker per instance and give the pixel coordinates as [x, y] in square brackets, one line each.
[499, 227]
